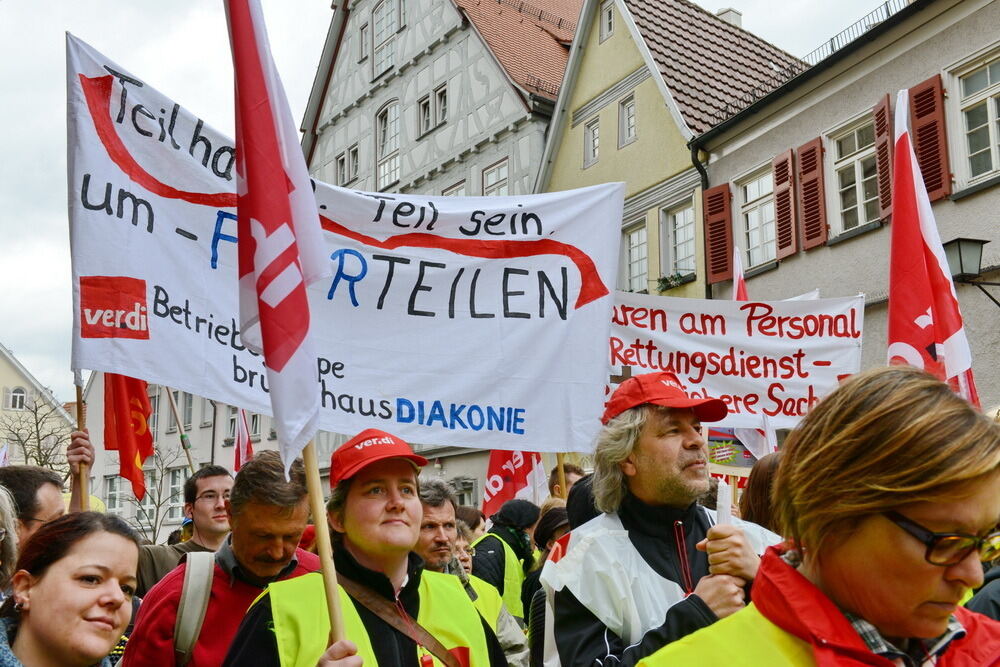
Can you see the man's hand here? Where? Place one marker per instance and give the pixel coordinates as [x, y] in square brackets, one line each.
[80, 450]
[341, 654]
[729, 552]
[722, 593]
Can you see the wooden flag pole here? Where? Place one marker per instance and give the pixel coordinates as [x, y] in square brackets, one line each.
[315, 487]
[82, 475]
[560, 464]
[185, 442]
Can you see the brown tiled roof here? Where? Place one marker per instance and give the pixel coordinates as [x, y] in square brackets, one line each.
[530, 39]
[707, 63]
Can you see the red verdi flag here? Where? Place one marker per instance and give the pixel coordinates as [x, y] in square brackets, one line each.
[243, 451]
[278, 229]
[512, 475]
[126, 427]
[925, 325]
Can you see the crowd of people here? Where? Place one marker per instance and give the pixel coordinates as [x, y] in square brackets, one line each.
[868, 539]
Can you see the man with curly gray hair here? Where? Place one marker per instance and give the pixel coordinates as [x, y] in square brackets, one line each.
[653, 566]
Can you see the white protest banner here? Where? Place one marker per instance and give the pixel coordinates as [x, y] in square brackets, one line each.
[475, 322]
[773, 358]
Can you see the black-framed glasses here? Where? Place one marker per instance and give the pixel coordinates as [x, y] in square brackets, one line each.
[949, 548]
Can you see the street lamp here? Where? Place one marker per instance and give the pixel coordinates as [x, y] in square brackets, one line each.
[965, 260]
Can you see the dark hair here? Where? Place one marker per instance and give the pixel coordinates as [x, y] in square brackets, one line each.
[436, 492]
[53, 540]
[174, 537]
[23, 483]
[710, 498]
[568, 469]
[472, 516]
[580, 507]
[191, 485]
[263, 480]
[550, 521]
[755, 505]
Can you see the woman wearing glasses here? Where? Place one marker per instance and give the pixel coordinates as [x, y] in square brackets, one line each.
[888, 494]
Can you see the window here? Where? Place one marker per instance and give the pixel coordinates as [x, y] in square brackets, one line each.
[980, 103]
[636, 258]
[154, 405]
[495, 179]
[387, 145]
[352, 162]
[233, 416]
[341, 169]
[457, 190]
[255, 426]
[113, 494]
[758, 218]
[626, 121]
[432, 110]
[148, 502]
[591, 142]
[384, 20]
[175, 504]
[857, 176]
[679, 224]
[363, 42]
[185, 405]
[607, 19]
[207, 412]
[441, 103]
[425, 119]
[18, 398]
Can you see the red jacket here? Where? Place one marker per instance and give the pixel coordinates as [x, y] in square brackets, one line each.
[795, 605]
[152, 640]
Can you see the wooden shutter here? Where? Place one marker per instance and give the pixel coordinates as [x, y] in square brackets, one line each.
[928, 135]
[883, 155]
[785, 233]
[812, 215]
[6, 398]
[718, 233]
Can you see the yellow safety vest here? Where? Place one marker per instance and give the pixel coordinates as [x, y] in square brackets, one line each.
[302, 621]
[487, 600]
[513, 577]
[746, 638]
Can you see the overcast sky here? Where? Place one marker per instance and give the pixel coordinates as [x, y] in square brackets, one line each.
[180, 47]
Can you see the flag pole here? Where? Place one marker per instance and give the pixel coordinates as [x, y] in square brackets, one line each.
[82, 476]
[185, 441]
[560, 463]
[323, 544]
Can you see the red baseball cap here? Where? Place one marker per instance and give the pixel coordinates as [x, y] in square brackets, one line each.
[664, 389]
[365, 448]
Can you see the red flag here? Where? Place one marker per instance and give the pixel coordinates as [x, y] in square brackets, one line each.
[739, 282]
[925, 324]
[758, 441]
[512, 475]
[280, 240]
[243, 451]
[126, 427]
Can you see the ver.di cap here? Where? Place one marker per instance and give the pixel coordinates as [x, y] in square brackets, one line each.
[662, 388]
[365, 448]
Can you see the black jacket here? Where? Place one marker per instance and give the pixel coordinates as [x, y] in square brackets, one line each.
[255, 643]
[489, 563]
[582, 640]
[987, 599]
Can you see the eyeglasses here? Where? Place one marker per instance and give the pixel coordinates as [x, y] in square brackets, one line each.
[212, 497]
[949, 548]
[469, 550]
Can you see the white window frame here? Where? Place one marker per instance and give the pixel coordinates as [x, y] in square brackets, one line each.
[456, 190]
[759, 203]
[231, 422]
[501, 186]
[958, 103]
[185, 406]
[854, 159]
[175, 487]
[18, 398]
[341, 169]
[383, 31]
[353, 159]
[147, 502]
[387, 145]
[207, 411]
[441, 104]
[425, 115]
[154, 412]
[591, 142]
[627, 132]
[635, 279]
[607, 18]
[113, 494]
[363, 39]
[254, 426]
[669, 217]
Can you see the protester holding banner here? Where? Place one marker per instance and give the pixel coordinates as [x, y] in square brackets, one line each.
[881, 552]
[504, 554]
[668, 569]
[395, 612]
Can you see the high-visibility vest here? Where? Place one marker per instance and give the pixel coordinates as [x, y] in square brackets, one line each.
[302, 621]
[487, 600]
[513, 577]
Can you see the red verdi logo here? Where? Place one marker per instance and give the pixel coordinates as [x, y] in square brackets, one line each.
[113, 307]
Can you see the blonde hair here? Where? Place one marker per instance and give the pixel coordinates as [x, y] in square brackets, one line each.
[885, 438]
[615, 443]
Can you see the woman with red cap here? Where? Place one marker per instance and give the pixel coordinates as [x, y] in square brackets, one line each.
[395, 612]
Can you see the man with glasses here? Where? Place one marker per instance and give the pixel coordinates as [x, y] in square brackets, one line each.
[205, 496]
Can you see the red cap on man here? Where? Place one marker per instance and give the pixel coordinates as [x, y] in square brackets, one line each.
[365, 448]
[662, 388]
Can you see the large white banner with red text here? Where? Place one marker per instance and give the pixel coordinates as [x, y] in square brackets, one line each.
[474, 322]
[774, 358]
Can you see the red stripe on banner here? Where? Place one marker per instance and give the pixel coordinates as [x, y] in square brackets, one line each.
[97, 91]
[591, 288]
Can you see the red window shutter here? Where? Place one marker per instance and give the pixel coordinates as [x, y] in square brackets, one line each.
[812, 218]
[883, 155]
[785, 236]
[928, 136]
[718, 233]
